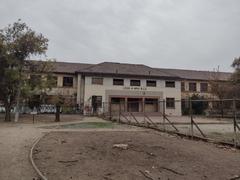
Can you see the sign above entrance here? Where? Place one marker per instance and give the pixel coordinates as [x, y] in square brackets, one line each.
[135, 88]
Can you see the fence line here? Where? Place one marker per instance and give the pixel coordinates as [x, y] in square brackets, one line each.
[211, 119]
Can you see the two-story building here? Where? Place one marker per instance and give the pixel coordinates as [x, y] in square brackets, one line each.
[129, 87]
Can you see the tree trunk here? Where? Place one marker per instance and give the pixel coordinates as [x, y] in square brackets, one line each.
[57, 115]
[18, 95]
[17, 104]
[7, 114]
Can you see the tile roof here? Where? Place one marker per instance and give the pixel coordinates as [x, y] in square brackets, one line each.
[112, 68]
[136, 69]
[197, 75]
[66, 67]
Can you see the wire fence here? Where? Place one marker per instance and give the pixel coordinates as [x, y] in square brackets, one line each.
[214, 120]
[45, 109]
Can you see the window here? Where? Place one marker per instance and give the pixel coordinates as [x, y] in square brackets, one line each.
[151, 101]
[151, 83]
[118, 82]
[193, 87]
[170, 102]
[96, 102]
[204, 87]
[68, 81]
[170, 84]
[182, 86]
[97, 80]
[118, 100]
[135, 83]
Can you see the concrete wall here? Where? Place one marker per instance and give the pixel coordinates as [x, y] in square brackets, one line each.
[108, 89]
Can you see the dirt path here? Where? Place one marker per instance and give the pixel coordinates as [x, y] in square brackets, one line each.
[15, 143]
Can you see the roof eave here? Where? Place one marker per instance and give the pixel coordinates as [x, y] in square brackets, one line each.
[130, 75]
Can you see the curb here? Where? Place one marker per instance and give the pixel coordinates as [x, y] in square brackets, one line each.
[40, 174]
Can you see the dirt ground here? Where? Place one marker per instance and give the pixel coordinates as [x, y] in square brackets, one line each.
[149, 156]
[16, 140]
[44, 118]
[15, 143]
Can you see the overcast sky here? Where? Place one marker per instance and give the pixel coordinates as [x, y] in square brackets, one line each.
[188, 34]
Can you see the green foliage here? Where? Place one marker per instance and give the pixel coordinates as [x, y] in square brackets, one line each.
[38, 82]
[227, 89]
[236, 75]
[198, 106]
[18, 42]
[68, 109]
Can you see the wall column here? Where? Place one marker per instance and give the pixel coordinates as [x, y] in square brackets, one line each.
[143, 104]
[79, 77]
[126, 105]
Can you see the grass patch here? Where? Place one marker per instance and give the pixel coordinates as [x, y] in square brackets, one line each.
[83, 125]
[89, 125]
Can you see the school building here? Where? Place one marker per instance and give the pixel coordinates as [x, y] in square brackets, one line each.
[130, 87]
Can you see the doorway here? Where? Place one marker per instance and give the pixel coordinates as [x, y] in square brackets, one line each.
[133, 104]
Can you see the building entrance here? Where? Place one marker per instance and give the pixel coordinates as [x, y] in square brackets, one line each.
[133, 104]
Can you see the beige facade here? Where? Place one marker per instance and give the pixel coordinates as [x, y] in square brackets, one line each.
[75, 80]
[82, 91]
[107, 91]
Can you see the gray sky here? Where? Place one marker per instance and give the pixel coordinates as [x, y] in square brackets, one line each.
[189, 34]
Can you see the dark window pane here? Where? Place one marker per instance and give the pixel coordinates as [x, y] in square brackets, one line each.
[96, 80]
[151, 101]
[193, 87]
[118, 82]
[170, 84]
[67, 81]
[135, 83]
[117, 100]
[151, 83]
[204, 87]
[170, 102]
